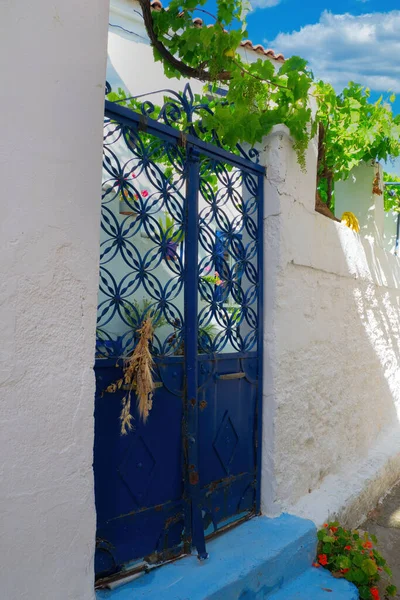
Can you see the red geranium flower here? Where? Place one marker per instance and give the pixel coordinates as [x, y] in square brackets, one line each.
[344, 570]
[322, 559]
[367, 545]
[334, 529]
[145, 193]
[375, 593]
[325, 524]
[347, 547]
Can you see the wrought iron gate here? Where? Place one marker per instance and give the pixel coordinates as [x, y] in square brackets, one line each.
[181, 240]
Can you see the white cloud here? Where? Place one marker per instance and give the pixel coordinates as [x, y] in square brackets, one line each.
[266, 3]
[343, 48]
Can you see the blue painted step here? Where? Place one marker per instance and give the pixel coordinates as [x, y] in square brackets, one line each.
[316, 584]
[247, 563]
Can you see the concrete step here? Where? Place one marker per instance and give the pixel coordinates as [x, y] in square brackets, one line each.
[316, 584]
[250, 562]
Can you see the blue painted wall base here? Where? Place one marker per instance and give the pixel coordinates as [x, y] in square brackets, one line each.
[263, 558]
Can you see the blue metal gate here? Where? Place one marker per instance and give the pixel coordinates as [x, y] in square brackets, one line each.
[181, 240]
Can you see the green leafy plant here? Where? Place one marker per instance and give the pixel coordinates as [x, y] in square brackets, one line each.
[351, 130]
[391, 194]
[142, 310]
[169, 229]
[235, 312]
[353, 555]
[212, 278]
[259, 95]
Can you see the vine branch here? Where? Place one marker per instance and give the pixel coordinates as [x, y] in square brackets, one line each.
[181, 67]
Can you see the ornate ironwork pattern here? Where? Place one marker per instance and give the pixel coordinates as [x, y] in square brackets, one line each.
[184, 111]
[228, 249]
[142, 230]
[143, 238]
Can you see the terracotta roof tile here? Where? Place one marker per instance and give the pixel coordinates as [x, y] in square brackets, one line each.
[247, 44]
[261, 50]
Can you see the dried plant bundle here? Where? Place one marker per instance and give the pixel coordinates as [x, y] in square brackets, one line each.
[138, 377]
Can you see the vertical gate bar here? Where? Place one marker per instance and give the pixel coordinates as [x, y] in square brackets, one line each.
[191, 350]
[260, 337]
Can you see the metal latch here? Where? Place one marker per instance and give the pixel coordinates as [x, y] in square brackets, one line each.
[239, 375]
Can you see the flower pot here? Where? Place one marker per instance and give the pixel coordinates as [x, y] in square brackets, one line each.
[170, 252]
[126, 205]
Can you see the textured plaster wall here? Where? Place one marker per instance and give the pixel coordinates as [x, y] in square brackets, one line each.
[332, 400]
[53, 59]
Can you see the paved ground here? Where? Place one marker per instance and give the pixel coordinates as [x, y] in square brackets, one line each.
[384, 522]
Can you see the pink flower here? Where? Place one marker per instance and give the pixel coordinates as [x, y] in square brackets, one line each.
[145, 193]
[133, 176]
[207, 269]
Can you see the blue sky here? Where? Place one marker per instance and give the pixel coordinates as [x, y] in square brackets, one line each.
[345, 40]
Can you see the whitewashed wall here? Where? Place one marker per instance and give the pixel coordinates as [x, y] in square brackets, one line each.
[53, 73]
[390, 231]
[333, 405]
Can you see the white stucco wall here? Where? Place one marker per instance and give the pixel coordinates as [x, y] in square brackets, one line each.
[53, 73]
[332, 402]
[390, 231]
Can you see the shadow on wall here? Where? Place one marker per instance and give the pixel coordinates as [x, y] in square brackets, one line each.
[337, 356]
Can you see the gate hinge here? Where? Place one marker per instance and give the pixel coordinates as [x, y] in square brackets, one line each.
[182, 139]
[142, 123]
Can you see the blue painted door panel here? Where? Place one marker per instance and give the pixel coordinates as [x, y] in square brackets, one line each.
[139, 480]
[227, 450]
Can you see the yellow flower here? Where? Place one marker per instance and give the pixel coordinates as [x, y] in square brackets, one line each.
[350, 219]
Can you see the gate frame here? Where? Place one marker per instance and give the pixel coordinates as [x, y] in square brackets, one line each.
[194, 532]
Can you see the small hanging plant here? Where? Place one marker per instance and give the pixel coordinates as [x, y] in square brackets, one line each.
[353, 555]
[138, 377]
